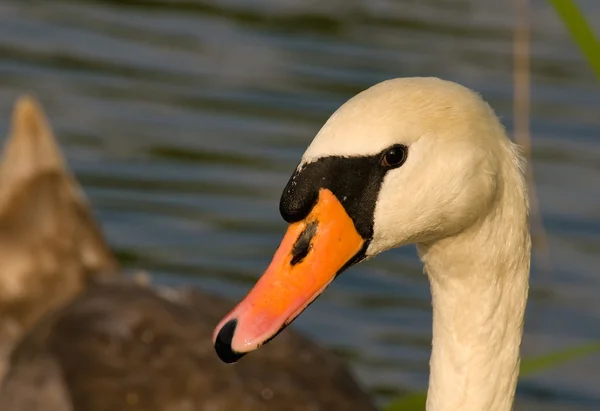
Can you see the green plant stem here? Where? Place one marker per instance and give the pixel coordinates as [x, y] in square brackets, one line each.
[580, 30]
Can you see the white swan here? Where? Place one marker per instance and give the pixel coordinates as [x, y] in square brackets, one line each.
[421, 161]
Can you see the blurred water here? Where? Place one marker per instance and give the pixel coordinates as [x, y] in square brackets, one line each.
[184, 120]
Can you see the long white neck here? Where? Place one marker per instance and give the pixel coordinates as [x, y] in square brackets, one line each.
[479, 284]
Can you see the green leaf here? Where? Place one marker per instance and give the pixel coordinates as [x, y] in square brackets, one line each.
[554, 359]
[412, 402]
[580, 30]
[416, 401]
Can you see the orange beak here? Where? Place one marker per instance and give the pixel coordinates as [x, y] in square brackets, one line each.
[311, 254]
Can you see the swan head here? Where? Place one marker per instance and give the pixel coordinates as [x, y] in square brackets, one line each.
[405, 161]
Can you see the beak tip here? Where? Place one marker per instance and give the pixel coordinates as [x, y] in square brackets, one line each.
[223, 343]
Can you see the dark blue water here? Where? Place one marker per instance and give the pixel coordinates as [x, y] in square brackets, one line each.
[184, 119]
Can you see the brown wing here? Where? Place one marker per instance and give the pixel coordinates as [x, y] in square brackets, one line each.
[123, 347]
[49, 242]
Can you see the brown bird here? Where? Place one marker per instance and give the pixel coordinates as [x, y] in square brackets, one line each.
[75, 335]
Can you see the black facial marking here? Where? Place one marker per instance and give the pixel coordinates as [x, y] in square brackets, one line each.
[302, 245]
[223, 343]
[355, 181]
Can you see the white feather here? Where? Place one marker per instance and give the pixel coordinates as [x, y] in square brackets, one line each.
[461, 198]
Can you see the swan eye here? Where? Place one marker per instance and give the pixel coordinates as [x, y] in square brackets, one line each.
[395, 156]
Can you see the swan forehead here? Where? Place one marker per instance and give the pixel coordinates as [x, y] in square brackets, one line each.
[399, 111]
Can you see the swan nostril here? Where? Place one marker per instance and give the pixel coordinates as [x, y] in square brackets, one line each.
[223, 343]
[302, 245]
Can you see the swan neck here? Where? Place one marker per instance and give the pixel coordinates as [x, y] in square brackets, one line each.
[479, 286]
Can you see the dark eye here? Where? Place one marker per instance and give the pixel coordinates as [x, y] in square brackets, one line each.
[395, 156]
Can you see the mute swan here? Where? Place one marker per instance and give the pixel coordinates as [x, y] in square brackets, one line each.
[115, 344]
[416, 160]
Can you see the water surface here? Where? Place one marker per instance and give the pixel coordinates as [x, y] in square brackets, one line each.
[184, 119]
